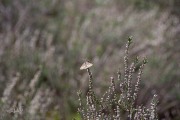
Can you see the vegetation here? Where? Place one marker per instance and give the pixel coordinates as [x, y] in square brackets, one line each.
[44, 42]
[113, 105]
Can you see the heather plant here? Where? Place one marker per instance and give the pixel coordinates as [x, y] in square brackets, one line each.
[118, 105]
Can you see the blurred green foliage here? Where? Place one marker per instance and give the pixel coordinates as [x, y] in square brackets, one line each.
[82, 29]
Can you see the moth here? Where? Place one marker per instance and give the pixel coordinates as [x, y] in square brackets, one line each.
[86, 65]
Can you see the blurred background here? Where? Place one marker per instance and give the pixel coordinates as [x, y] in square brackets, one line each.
[44, 42]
